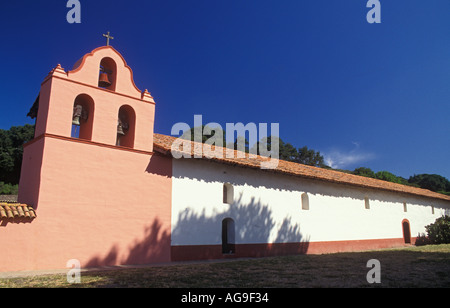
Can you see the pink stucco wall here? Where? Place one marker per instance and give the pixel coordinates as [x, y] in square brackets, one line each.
[111, 210]
[95, 202]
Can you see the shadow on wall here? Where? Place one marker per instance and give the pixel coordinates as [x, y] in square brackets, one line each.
[256, 233]
[271, 180]
[153, 248]
[159, 165]
[254, 225]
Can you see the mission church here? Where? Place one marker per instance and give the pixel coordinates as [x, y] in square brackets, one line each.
[100, 186]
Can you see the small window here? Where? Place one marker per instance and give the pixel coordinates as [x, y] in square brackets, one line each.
[432, 209]
[228, 195]
[305, 202]
[405, 207]
[367, 203]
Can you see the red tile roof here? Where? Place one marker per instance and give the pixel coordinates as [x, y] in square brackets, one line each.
[16, 211]
[163, 144]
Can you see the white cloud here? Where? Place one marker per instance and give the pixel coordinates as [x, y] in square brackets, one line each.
[337, 158]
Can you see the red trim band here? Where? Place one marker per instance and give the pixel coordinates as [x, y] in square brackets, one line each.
[209, 252]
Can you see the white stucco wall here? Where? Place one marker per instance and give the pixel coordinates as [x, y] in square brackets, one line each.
[267, 208]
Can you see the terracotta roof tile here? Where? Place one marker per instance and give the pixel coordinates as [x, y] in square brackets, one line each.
[16, 211]
[163, 144]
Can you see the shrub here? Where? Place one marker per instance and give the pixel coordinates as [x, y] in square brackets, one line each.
[422, 240]
[8, 189]
[439, 231]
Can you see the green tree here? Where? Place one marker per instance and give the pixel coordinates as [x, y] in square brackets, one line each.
[439, 231]
[362, 171]
[8, 189]
[11, 151]
[289, 153]
[286, 150]
[204, 132]
[432, 182]
[387, 176]
[310, 157]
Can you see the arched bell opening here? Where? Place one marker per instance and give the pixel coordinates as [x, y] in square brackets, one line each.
[83, 117]
[107, 74]
[126, 127]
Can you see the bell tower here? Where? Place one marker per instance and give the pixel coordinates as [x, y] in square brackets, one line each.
[100, 193]
[83, 102]
[90, 172]
[87, 116]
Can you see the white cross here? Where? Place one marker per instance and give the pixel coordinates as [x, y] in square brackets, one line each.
[108, 37]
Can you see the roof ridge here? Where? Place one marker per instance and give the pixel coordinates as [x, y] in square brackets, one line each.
[163, 144]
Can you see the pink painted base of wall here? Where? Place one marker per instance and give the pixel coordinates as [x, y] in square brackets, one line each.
[209, 252]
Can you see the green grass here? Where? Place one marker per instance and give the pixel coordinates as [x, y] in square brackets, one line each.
[426, 266]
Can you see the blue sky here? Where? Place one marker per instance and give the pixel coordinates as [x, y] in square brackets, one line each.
[373, 95]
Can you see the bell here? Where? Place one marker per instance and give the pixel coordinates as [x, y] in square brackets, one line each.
[77, 111]
[76, 121]
[103, 81]
[120, 128]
